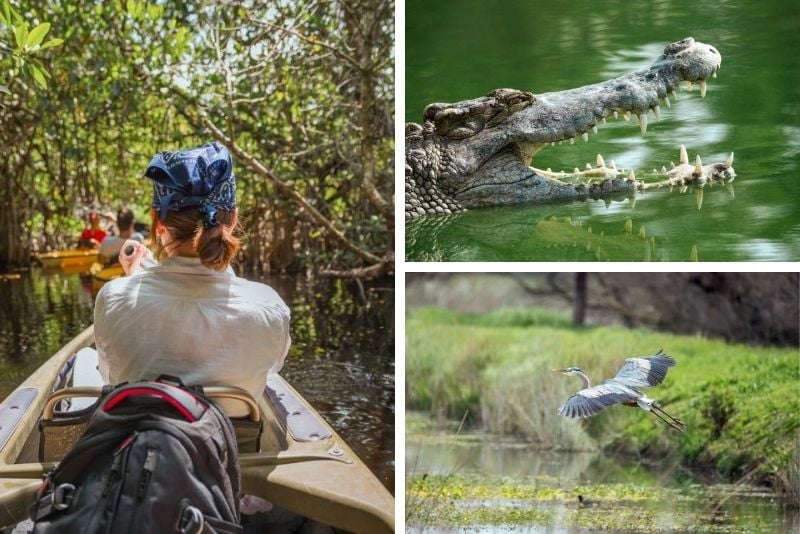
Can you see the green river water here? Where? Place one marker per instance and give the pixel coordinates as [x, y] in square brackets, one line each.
[461, 50]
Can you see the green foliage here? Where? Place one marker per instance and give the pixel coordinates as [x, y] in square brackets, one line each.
[306, 88]
[27, 43]
[741, 403]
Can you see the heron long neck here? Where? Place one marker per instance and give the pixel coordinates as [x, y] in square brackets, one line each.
[584, 378]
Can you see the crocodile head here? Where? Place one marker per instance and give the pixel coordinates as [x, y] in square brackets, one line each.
[479, 152]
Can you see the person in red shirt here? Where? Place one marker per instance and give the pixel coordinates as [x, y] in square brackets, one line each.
[92, 235]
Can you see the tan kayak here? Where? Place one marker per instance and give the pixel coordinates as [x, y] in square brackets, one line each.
[303, 465]
[76, 260]
[101, 275]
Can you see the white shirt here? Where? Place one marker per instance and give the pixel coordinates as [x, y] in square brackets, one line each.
[181, 318]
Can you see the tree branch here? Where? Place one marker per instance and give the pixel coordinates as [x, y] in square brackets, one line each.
[253, 164]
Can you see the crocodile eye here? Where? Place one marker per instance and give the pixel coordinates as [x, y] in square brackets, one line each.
[462, 129]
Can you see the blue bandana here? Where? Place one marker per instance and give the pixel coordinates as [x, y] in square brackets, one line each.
[199, 177]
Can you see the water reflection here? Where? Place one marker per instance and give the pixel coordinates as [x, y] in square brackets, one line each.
[528, 490]
[529, 232]
[342, 357]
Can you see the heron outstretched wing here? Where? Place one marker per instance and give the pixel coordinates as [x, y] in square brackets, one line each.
[645, 372]
[590, 401]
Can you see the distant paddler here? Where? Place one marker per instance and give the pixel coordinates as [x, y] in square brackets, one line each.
[92, 235]
[111, 245]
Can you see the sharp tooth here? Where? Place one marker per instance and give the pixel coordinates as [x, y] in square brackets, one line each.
[600, 162]
[657, 111]
[684, 157]
[666, 101]
[702, 88]
[729, 161]
[548, 169]
[604, 120]
[616, 115]
[714, 74]
[671, 164]
[626, 116]
[585, 136]
[613, 166]
[631, 176]
[674, 95]
[572, 140]
[576, 170]
[594, 130]
[698, 166]
[663, 170]
[689, 86]
[588, 166]
[643, 123]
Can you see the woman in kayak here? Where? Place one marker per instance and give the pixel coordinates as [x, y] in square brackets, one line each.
[189, 315]
[93, 234]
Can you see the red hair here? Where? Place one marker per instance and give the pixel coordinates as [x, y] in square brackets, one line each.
[216, 245]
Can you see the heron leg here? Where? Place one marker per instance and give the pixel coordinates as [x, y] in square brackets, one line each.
[674, 425]
[675, 420]
[667, 421]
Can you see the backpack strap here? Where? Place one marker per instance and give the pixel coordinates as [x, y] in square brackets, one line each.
[187, 404]
[192, 521]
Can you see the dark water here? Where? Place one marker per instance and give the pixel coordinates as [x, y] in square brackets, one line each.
[717, 508]
[460, 50]
[341, 360]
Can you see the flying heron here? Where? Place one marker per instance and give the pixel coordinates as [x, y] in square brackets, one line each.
[622, 389]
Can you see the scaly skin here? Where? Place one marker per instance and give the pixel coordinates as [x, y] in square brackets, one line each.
[479, 152]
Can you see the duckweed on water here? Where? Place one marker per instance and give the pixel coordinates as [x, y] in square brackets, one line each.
[481, 487]
[475, 501]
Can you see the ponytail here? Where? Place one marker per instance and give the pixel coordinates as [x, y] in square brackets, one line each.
[216, 245]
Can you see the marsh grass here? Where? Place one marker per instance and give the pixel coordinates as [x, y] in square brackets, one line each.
[741, 403]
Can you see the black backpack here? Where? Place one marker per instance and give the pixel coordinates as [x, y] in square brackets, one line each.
[155, 457]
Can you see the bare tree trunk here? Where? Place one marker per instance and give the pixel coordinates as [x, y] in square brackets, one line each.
[579, 305]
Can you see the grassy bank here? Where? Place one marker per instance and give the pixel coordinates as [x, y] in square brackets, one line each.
[741, 403]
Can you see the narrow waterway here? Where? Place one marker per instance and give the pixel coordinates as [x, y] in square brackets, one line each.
[341, 360]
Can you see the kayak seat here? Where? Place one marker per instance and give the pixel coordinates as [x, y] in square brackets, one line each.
[59, 430]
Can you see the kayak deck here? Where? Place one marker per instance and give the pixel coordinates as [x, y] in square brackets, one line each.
[303, 466]
[73, 260]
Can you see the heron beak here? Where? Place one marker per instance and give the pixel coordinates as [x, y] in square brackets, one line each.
[562, 371]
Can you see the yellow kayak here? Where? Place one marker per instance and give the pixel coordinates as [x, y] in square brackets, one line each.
[302, 464]
[75, 260]
[102, 274]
